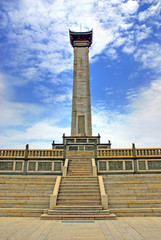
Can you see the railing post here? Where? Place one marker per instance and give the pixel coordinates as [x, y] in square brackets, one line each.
[26, 159]
[95, 151]
[65, 150]
[94, 168]
[104, 198]
[65, 167]
[134, 158]
[53, 197]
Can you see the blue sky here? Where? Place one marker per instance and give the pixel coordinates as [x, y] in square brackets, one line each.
[36, 70]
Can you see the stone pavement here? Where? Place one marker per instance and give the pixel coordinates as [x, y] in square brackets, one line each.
[129, 228]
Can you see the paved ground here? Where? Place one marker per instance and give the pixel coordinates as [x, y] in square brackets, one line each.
[138, 228]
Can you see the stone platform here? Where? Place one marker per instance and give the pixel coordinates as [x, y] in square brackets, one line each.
[136, 228]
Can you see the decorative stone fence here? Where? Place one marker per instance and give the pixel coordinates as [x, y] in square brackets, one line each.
[128, 160]
[33, 161]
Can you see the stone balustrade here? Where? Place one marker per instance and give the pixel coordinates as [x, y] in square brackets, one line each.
[12, 153]
[34, 161]
[148, 152]
[34, 153]
[114, 153]
[128, 153]
[45, 153]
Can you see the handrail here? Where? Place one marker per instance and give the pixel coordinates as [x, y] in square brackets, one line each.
[148, 152]
[114, 152]
[10, 153]
[65, 167]
[104, 198]
[45, 153]
[53, 197]
[32, 153]
[94, 168]
[128, 153]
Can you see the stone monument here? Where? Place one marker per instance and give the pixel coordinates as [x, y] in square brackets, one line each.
[81, 102]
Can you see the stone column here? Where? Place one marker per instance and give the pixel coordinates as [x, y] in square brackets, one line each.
[81, 103]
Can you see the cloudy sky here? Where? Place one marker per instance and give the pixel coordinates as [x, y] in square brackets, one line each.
[36, 70]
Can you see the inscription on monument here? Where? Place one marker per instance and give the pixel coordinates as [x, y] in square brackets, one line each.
[81, 124]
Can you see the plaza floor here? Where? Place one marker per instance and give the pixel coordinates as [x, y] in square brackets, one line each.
[129, 228]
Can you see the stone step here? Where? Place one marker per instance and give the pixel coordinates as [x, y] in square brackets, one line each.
[121, 189]
[78, 202]
[28, 185]
[125, 186]
[93, 194]
[75, 166]
[81, 164]
[80, 212]
[83, 191]
[133, 191]
[76, 185]
[26, 182]
[79, 207]
[29, 177]
[69, 197]
[135, 196]
[133, 181]
[21, 212]
[79, 169]
[23, 202]
[135, 203]
[136, 212]
[13, 194]
[78, 217]
[19, 197]
[26, 196]
[79, 178]
[132, 178]
[82, 175]
[85, 173]
[79, 181]
[25, 188]
[79, 172]
[80, 189]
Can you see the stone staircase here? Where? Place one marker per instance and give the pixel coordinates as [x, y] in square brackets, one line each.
[80, 167]
[134, 194]
[79, 194]
[25, 196]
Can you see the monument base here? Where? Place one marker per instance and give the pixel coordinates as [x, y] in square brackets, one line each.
[81, 143]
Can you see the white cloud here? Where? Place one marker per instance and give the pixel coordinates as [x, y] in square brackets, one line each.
[140, 125]
[111, 53]
[150, 56]
[129, 49]
[39, 135]
[50, 96]
[16, 114]
[119, 41]
[153, 10]
[39, 30]
[130, 7]
[143, 32]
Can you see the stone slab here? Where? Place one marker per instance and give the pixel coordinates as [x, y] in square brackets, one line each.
[136, 228]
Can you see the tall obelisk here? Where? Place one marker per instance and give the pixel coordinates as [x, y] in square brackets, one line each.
[81, 103]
